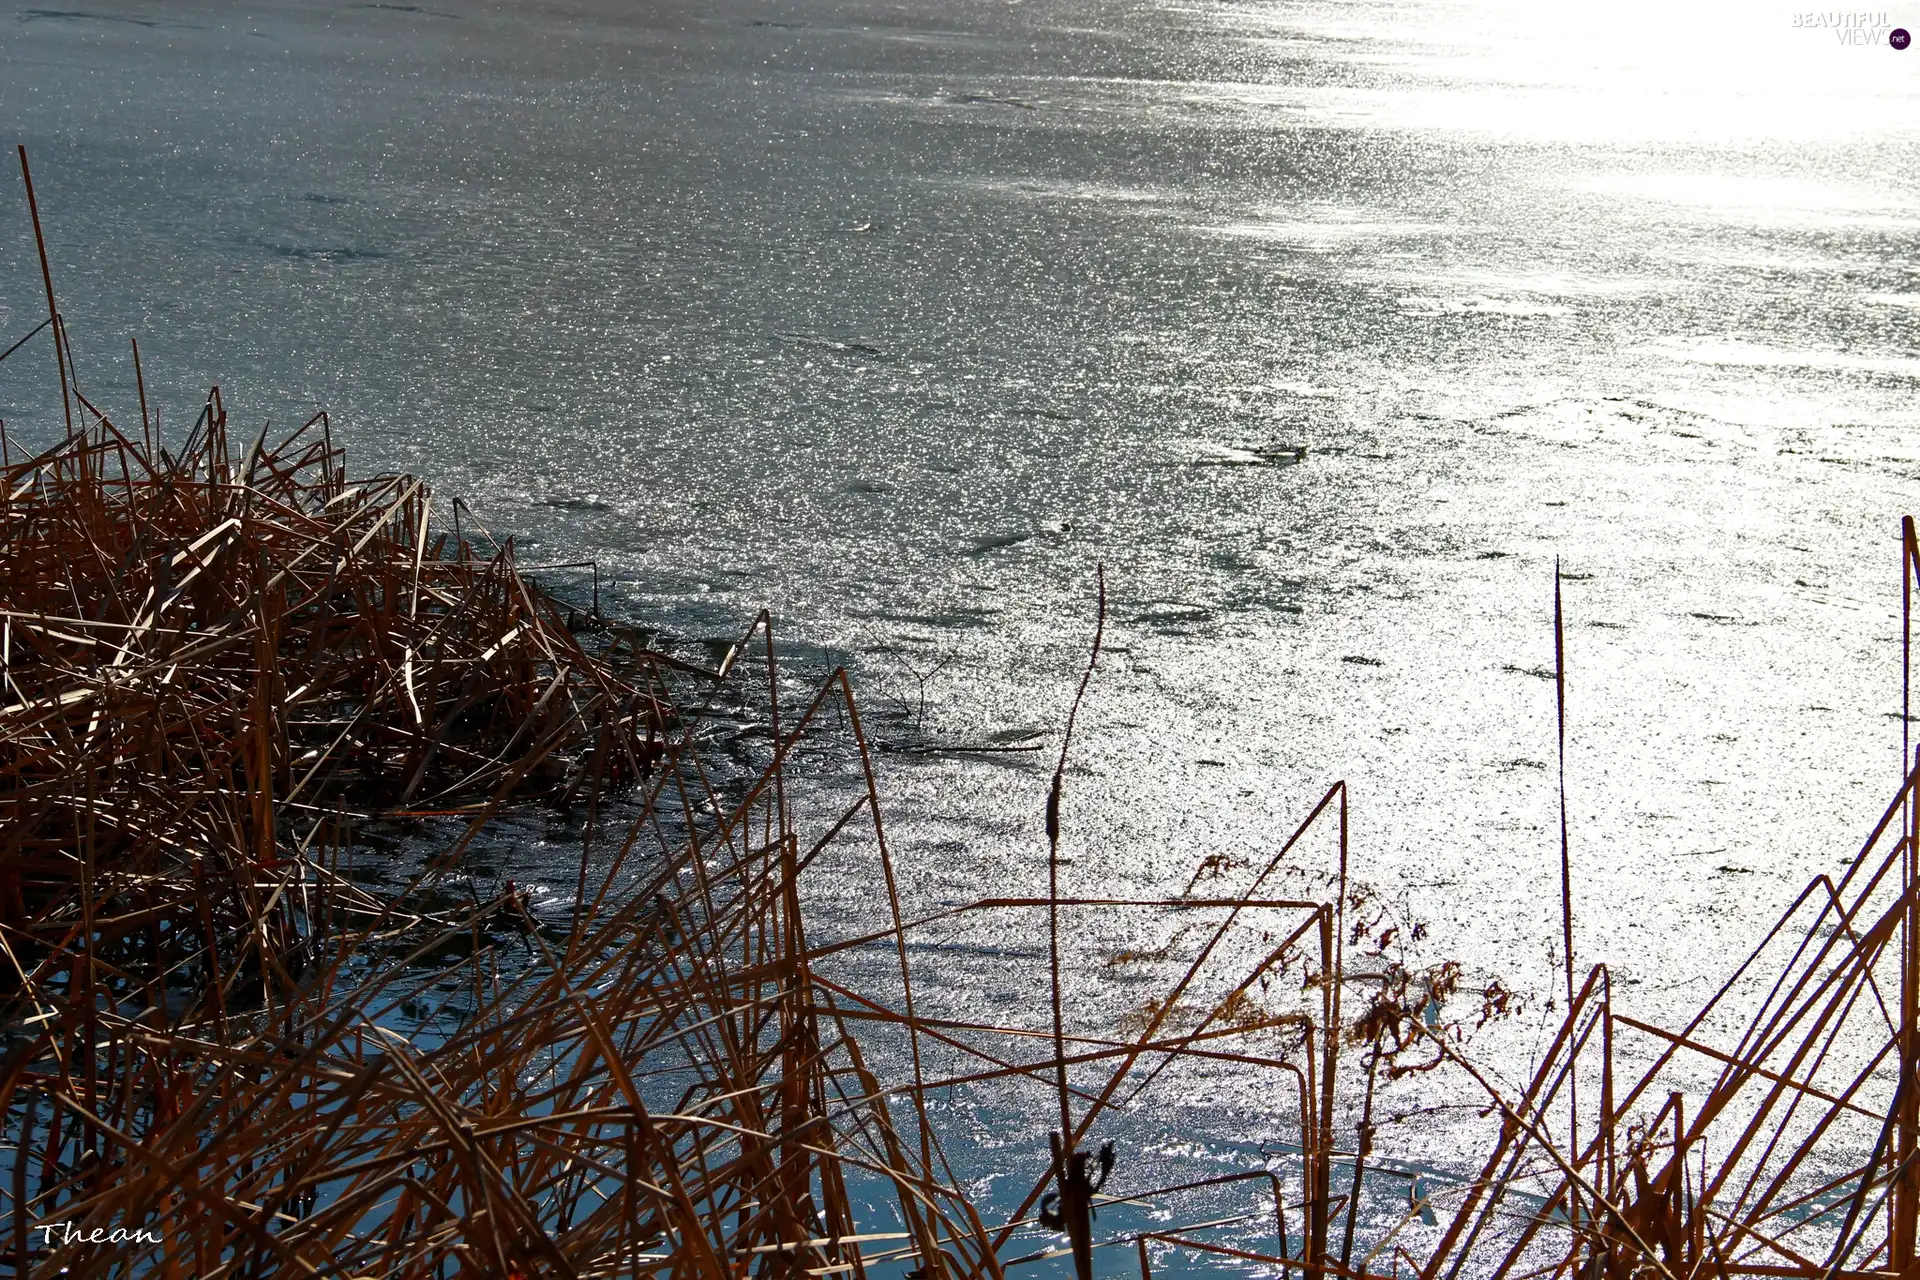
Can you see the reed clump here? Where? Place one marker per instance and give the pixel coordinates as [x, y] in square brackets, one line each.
[218, 663]
[201, 650]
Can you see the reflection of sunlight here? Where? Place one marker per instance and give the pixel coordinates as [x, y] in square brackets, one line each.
[1691, 69]
[1755, 355]
[1330, 228]
[1480, 304]
[1766, 201]
[1485, 280]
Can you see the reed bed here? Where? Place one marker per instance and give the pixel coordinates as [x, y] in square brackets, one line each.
[228, 1056]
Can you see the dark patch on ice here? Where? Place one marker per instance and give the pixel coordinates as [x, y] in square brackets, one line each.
[946, 619]
[1171, 613]
[1361, 660]
[1255, 455]
[82, 15]
[997, 542]
[835, 345]
[988, 100]
[319, 253]
[972, 948]
[420, 9]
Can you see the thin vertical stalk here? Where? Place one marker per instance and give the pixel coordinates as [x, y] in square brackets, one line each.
[46, 278]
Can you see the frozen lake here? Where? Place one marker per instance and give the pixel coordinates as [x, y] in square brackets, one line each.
[1326, 328]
